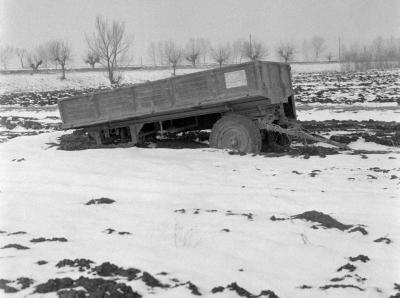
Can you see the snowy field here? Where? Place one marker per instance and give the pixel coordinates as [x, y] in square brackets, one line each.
[189, 222]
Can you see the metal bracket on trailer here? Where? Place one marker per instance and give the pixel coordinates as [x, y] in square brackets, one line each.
[297, 131]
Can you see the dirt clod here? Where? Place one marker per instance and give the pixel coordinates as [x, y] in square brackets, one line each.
[15, 245]
[361, 258]
[95, 287]
[151, 281]
[193, 288]
[100, 201]
[274, 218]
[359, 229]
[326, 287]
[323, 219]
[383, 239]
[41, 262]
[305, 287]
[17, 233]
[53, 285]
[217, 289]
[25, 282]
[42, 239]
[82, 264]
[5, 287]
[348, 266]
[243, 292]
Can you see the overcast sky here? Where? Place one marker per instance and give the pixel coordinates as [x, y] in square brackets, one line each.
[26, 23]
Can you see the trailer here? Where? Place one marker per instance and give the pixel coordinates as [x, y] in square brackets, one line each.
[241, 104]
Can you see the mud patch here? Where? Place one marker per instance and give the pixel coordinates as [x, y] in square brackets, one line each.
[82, 264]
[383, 239]
[348, 266]
[151, 281]
[396, 287]
[303, 287]
[20, 283]
[322, 219]
[234, 287]
[94, 287]
[77, 140]
[361, 258]
[16, 246]
[379, 132]
[43, 98]
[112, 231]
[17, 233]
[5, 287]
[100, 201]
[326, 287]
[54, 239]
[109, 269]
[41, 262]
[359, 229]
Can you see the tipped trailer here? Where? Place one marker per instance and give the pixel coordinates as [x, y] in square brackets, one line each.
[239, 103]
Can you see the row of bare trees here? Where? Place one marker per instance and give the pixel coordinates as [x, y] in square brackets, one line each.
[381, 53]
[200, 50]
[55, 53]
[109, 45]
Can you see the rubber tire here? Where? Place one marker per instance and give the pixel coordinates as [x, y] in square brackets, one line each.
[236, 132]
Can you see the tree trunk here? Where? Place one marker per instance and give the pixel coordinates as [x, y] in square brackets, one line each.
[63, 71]
[110, 73]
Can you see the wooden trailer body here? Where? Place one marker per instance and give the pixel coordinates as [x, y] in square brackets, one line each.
[258, 90]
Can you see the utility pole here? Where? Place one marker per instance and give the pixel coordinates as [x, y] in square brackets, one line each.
[340, 57]
[251, 49]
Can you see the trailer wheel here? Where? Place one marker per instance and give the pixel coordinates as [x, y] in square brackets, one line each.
[237, 132]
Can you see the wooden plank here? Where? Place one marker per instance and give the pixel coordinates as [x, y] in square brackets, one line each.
[172, 95]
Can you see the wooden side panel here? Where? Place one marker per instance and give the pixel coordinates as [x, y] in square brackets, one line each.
[77, 110]
[180, 93]
[115, 104]
[277, 81]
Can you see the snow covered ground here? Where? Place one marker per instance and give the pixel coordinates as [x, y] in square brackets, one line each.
[199, 218]
[77, 80]
[176, 206]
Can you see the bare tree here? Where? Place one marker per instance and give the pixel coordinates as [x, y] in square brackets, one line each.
[36, 57]
[22, 54]
[92, 58]
[152, 52]
[254, 50]
[237, 50]
[173, 53]
[60, 52]
[318, 46]
[205, 48]
[306, 50]
[160, 53]
[286, 51]
[111, 44]
[221, 54]
[329, 56]
[192, 51]
[42, 51]
[6, 54]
